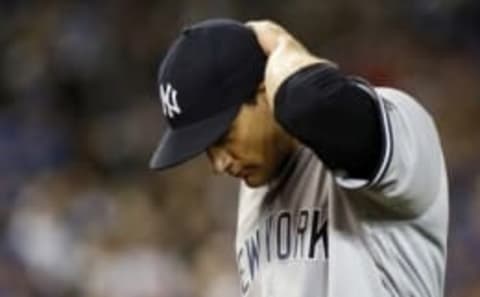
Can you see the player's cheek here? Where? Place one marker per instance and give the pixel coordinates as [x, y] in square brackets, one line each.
[250, 150]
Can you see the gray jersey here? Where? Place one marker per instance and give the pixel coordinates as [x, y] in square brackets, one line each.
[312, 232]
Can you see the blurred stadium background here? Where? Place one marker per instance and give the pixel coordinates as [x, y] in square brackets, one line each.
[81, 215]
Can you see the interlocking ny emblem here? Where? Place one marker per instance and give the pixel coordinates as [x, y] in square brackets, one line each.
[168, 96]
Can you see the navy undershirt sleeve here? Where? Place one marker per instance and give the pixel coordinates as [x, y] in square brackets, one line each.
[334, 116]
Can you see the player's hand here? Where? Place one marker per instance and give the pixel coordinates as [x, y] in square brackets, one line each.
[285, 54]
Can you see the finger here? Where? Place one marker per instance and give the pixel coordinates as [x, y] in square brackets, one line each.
[268, 33]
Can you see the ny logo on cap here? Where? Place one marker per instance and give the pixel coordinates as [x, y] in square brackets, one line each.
[168, 96]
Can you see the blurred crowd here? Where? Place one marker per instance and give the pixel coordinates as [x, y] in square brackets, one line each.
[81, 214]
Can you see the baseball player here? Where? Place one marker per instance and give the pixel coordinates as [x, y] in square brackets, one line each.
[343, 185]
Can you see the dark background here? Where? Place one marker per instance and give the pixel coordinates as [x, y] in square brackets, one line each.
[81, 215]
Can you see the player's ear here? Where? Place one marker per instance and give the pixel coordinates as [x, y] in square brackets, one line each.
[259, 95]
[262, 94]
[261, 87]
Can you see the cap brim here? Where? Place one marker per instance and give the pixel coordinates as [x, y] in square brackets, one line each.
[179, 145]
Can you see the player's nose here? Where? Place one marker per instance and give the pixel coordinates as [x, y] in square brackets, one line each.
[220, 160]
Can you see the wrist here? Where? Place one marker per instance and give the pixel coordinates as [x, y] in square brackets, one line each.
[288, 59]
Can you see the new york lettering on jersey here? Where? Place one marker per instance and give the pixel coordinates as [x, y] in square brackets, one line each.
[283, 236]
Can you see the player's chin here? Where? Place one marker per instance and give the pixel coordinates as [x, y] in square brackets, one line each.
[255, 180]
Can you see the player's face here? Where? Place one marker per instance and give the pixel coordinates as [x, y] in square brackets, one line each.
[255, 145]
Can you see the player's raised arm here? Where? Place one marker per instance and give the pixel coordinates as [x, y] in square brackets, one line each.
[319, 106]
[377, 137]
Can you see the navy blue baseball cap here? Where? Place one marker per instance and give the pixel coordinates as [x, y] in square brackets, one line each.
[209, 71]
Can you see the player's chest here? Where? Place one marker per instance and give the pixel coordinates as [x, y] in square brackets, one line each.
[284, 233]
